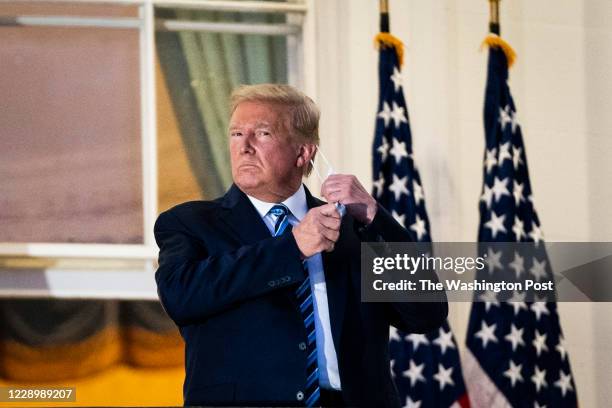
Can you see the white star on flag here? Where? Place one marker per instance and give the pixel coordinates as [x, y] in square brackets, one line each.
[504, 116]
[517, 301]
[536, 233]
[444, 340]
[514, 121]
[493, 260]
[412, 404]
[487, 196]
[514, 373]
[399, 218]
[415, 373]
[490, 299]
[393, 334]
[538, 270]
[539, 342]
[398, 151]
[398, 187]
[486, 334]
[416, 340]
[539, 308]
[518, 264]
[379, 184]
[398, 116]
[517, 192]
[419, 227]
[383, 149]
[396, 78]
[443, 376]
[491, 159]
[561, 348]
[518, 228]
[539, 378]
[385, 114]
[515, 337]
[418, 192]
[504, 153]
[500, 188]
[564, 383]
[516, 156]
[496, 224]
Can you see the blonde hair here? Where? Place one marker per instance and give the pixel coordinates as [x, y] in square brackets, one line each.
[302, 113]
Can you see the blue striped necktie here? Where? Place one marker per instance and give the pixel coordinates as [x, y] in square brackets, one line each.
[303, 295]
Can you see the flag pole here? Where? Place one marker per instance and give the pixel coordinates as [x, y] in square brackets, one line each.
[384, 16]
[494, 17]
[494, 39]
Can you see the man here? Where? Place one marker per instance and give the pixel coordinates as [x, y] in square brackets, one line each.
[264, 282]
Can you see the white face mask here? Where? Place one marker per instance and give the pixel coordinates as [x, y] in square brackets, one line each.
[330, 170]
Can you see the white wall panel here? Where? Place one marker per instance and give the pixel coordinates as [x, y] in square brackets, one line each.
[563, 90]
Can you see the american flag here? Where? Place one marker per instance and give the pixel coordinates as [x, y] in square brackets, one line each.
[516, 355]
[426, 367]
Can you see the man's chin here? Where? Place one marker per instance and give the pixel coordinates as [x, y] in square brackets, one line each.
[247, 184]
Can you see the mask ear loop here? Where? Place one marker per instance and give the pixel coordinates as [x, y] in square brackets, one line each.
[341, 208]
[329, 166]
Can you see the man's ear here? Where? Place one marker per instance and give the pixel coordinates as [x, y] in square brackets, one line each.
[306, 153]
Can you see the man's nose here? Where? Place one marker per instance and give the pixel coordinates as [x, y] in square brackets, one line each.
[247, 143]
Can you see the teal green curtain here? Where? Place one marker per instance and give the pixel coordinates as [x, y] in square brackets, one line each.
[201, 70]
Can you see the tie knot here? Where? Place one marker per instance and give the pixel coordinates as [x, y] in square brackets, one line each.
[279, 210]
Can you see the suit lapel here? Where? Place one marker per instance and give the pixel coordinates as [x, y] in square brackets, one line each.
[242, 217]
[336, 280]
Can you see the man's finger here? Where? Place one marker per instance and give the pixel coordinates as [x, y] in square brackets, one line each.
[333, 196]
[332, 182]
[328, 245]
[329, 210]
[330, 223]
[331, 235]
[330, 249]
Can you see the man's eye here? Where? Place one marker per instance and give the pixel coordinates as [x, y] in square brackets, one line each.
[263, 133]
[233, 134]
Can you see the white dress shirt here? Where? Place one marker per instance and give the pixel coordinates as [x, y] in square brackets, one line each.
[326, 352]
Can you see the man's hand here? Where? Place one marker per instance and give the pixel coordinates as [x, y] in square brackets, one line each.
[347, 190]
[318, 231]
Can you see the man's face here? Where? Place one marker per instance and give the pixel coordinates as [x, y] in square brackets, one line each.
[263, 154]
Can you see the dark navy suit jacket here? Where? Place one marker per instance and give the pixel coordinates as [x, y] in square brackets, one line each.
[229, 286]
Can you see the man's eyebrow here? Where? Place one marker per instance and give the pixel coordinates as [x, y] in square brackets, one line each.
[257, 124]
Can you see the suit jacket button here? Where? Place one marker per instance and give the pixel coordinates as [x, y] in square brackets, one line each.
[299, 396]
[302, 346]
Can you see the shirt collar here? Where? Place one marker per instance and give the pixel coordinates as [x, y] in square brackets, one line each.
[296, 204]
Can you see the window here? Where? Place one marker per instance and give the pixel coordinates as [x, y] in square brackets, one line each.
[112, 112]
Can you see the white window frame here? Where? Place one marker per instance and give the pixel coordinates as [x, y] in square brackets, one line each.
[136, 280]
